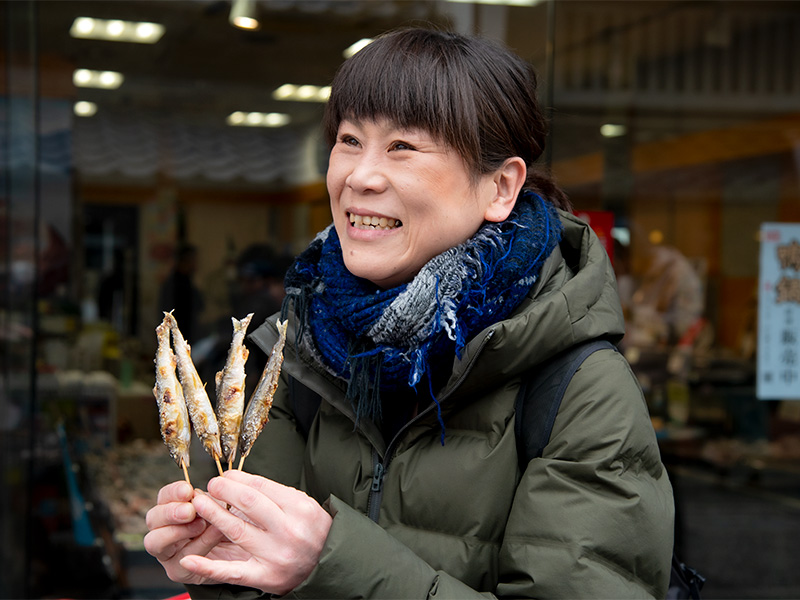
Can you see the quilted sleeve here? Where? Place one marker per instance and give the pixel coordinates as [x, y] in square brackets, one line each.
[593, 518]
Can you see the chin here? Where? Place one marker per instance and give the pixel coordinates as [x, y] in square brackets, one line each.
[378, 276]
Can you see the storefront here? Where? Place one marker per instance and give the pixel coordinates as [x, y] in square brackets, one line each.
[185, 167]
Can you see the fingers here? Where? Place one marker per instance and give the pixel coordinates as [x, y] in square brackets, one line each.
[228, 571]
[177, 491]
[276, 547]
[237, 530]
[165, 542]
[265, 502]
[282, 495]
[173, 522]
[205, 542]
[171, 513]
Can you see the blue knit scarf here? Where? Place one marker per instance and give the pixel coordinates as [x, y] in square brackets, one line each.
[387, 339]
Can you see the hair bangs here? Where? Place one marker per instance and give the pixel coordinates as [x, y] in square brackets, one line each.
[410, 82]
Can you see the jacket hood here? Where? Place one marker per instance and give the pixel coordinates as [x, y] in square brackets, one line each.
[574, 300]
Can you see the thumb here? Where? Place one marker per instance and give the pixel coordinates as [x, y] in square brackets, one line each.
[218, 571]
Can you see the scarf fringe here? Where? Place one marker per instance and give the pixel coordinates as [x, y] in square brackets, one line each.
[379, 339]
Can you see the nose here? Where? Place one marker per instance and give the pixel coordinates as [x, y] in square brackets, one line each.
[367, 174]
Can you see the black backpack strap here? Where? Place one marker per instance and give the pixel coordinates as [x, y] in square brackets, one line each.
[685, 582]
[305, 405]
[540, 395]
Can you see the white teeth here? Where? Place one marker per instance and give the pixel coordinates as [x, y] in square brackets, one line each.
[373, 222]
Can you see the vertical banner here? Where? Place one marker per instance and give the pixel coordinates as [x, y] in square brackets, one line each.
[779, 313]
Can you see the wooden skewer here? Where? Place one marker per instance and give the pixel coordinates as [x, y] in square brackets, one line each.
[241, 463]
[185, 471]
[219, 466]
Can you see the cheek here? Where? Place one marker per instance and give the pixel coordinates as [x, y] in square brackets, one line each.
[334, 183]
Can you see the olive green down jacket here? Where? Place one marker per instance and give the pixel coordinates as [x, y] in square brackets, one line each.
[592, 518]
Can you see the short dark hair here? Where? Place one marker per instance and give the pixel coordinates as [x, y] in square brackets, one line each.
[470, 93]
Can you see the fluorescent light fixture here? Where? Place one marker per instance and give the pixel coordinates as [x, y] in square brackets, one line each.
[353, 48]
[105, 80]
[257, 119]
[611, 130]
[84, 108]
[302, 93]
[116, 30]
[501, 2]
[243, 15]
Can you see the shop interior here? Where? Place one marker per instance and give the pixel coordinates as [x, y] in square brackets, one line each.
[185, 168]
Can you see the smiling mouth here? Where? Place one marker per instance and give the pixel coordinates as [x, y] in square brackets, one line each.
[373, 222]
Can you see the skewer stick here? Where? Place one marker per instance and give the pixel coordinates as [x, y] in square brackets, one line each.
[219, 466]
[241, 463]
[185, 471]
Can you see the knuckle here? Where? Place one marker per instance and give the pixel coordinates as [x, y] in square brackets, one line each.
[306, 507]
[286, 557]
[237, 532]
[155, 546]
[149, 519]
[149, 545]
[236, 576]
[248, 498]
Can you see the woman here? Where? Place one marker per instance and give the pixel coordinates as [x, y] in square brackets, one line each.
[447, 275]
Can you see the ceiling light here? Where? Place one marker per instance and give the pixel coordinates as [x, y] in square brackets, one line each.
[116, 30]
[243, 14]
[106, 80]
[257, 119]
[611, 130]
[236, 118]
[500, 2]
[306, 92]
[254, 118]
[302, 93]
[353, 48]
[287, 90]
[81, 77]
[82, 26]
[84, 108]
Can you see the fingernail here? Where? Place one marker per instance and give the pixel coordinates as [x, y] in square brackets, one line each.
[184, 512]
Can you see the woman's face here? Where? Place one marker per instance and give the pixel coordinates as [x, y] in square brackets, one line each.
[399, 198]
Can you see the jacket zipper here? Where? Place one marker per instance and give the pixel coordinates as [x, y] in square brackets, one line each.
[379, 467]
[376, 489]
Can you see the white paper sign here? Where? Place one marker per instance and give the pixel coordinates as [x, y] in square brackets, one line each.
[779, 313]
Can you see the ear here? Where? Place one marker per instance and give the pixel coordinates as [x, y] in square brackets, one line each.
[507, 182]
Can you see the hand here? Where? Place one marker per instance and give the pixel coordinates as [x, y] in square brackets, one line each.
[278, 531]
[177, 531]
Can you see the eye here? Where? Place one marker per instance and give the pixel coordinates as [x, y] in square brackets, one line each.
[400, 145]
[348, 140]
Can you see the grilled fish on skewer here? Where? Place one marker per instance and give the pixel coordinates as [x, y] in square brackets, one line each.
[230, 391]
[200, 411]
[257, 413]
[172, 413]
